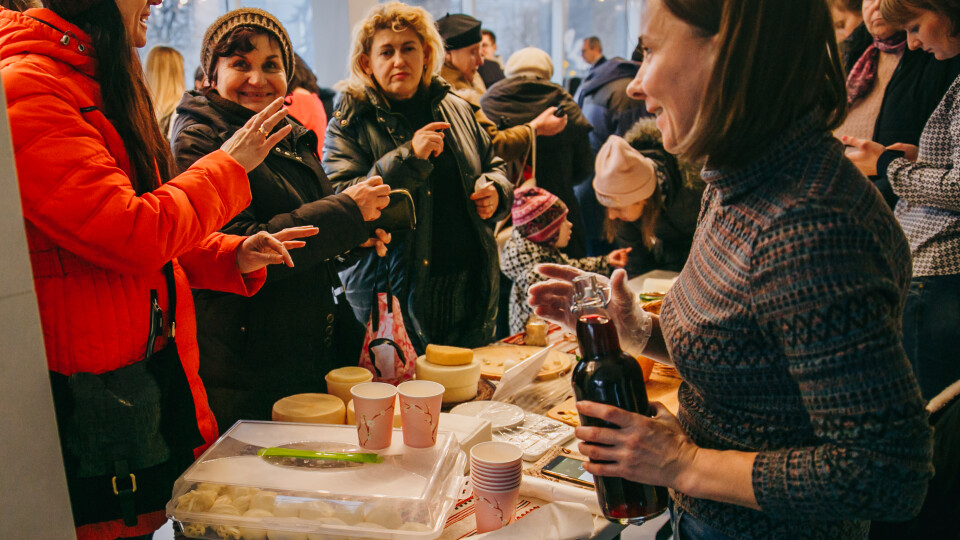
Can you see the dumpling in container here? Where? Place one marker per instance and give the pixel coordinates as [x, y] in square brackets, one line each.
[228, 532]
[250, 533]
[264, 500]
[210, 486]
[324, 536]
[315, 510]
[239, 491]
[194, 530]
[286, 508]
[383, 514]
[224, 507]
[196, 501]
[351, 515]
[242, 503]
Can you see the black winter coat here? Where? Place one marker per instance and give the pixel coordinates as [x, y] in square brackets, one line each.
[365, 138]
[284, 339]
[916, 88]
[680, 194]
[605, 103]
[564, 159]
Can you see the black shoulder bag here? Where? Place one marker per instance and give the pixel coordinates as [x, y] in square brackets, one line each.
[127, 434]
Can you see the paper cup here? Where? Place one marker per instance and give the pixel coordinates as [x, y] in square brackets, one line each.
[341, 380]
[495, 455]
[420, 412]
[495, 486]
[494, 509]
[373, 403]
[495, 477]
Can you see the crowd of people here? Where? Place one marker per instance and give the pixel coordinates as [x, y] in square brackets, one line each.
[203, 253]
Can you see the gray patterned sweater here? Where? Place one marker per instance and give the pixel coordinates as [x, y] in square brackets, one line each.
[785, 325]
[518, 262]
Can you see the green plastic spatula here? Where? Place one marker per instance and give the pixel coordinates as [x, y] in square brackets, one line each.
[354, 457]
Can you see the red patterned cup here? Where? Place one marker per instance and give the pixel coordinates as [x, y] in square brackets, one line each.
[494, 509]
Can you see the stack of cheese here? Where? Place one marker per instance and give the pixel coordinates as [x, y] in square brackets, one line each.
[454, 368]
[310, 409]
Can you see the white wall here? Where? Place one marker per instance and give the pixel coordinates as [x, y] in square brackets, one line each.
[33, 489]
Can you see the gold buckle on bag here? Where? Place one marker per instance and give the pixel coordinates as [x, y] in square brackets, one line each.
[133, 483]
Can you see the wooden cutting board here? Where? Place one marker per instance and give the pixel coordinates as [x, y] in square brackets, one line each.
[659, 388]
[492, 358]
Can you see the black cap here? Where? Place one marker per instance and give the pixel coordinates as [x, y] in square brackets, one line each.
[458, 31]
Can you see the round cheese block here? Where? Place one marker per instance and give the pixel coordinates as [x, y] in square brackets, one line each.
[341, 380]
[460, 394]
[352, 413]
[495, 359]
[449, 376]
[445, 355]
[310, 409]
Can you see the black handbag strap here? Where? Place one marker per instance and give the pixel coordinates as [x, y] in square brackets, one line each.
[375, 312]
[156, 314]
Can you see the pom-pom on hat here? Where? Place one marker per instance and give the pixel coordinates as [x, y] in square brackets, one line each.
[529, 60]
[538, 214]
[623, 175]
[458, 31]
[69, 8]
[253, 18]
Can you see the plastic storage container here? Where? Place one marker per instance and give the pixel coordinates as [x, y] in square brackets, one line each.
[231, 492]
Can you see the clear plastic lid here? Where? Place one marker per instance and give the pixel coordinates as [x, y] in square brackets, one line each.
[233, 492]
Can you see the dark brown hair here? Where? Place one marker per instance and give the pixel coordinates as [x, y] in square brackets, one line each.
[126, 100]
[238, 41]
[762, 80]
[853, 6]
[20, 5]
[303, 77]
[493, 37]
[901, 12]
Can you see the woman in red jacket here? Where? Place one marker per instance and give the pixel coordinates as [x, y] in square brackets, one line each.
[113, 237]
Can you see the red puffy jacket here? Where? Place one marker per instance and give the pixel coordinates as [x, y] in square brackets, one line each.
[96, 248]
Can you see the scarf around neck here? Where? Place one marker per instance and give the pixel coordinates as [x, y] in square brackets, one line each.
[863, 74]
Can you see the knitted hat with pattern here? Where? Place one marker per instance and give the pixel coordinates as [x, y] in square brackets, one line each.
[623, 175]
[538, 214]
[69, 8]
[250, 17]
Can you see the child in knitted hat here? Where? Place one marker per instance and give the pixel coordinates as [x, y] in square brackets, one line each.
[540, 230]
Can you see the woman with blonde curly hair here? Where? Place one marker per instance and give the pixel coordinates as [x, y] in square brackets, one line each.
[399, 120]
[164, 70]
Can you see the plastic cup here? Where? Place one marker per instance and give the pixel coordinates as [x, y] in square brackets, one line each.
[495, 455]
[494, 509]
[341, 380]
[373, 404]
[420, 412]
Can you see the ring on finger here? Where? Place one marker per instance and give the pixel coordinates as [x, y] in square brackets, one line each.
[263, 132]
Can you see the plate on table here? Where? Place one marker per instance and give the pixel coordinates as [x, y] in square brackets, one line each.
[493, 357]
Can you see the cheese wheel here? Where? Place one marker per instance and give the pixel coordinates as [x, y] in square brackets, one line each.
[460, 393]
[352, 413]
[445, 355]
[310, 409]
[449, 376]
[341, 380]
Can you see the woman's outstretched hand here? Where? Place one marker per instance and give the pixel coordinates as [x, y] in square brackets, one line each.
[250, 144]
[263, 248]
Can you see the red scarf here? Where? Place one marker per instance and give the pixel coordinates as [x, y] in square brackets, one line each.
[863, 75]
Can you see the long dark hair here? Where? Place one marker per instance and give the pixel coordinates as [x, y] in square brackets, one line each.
[126, 101]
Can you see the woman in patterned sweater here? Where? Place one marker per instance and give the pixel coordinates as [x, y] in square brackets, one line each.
[799, 414]
[927, 180]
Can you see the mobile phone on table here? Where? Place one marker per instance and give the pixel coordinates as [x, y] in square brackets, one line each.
[568, 469]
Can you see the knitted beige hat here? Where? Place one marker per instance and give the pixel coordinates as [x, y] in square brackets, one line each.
[254, 18]
[529, 60]
[623, 175]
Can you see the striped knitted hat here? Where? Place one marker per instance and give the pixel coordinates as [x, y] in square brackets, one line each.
[253, 18]
[69, 8]
[538, 214]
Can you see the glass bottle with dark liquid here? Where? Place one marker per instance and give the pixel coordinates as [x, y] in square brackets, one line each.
[607, 375]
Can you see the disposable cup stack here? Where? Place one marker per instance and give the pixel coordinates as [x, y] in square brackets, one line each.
[495, 473]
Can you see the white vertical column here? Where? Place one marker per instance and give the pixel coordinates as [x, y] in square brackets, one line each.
[33, 486]
[558, 27]
[333, 22]
[634, 15]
